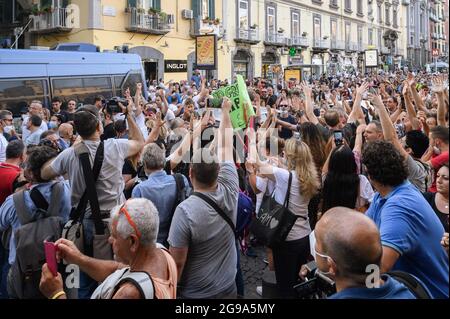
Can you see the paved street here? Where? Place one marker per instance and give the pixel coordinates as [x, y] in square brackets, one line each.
[253, 269]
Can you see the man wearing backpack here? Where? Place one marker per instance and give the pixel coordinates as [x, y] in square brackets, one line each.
[34, 215]
[165, 191]
[106, 176]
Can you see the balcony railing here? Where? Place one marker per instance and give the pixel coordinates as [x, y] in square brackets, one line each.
[198, 27]
[337, 45]
[300, 41]
[142, 22]
[321, 44]
[57, 21]
[277, 39]
[351, 46]
[250, 36]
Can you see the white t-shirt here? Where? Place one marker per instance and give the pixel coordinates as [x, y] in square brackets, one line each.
[366, 192]
[140, 121]
[170, 116]
[26, 132]
[298, 205]
[3, 145]
[173, 107]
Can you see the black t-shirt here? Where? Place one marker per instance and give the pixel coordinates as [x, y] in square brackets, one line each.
[430, 197]
[108, 132]
[69, 116]
[285, 132]
[64, 115]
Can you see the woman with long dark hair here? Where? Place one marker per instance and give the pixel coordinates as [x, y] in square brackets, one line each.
[342, 186]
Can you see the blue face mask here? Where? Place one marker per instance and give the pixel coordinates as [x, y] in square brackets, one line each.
[52, 125]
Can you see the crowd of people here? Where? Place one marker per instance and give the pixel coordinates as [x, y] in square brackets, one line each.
[147, 188]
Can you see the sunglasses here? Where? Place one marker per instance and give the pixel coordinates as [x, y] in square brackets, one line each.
[124, 211]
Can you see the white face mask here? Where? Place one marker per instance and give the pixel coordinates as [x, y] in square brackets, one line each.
[8, 129]
[118, 116]
[436, 150]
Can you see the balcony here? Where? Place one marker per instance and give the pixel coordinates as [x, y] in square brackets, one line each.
[321, 44]
[200, 27]
[300, 42]
[141, 22]
[434, 35]
[351, 47]
[275, 39]
[57, 21]
[433, 17]
[250, 36]
[337, 45]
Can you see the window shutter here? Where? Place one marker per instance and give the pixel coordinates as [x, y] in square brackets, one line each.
[157, 4]
[132, 3]
[196, 8]
[212, 10]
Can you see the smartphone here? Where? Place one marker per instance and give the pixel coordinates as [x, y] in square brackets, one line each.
[214, 102]
[50, 256]
[338, 138]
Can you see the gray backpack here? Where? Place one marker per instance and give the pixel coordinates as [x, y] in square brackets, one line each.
[25, 273]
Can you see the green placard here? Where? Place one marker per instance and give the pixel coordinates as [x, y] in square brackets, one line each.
[238, 95]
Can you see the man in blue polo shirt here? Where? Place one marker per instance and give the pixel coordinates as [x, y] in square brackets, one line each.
[410, 230]
[347, 242]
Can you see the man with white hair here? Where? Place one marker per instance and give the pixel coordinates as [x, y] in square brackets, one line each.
[174, 187]
[35, 108]
[142, 270]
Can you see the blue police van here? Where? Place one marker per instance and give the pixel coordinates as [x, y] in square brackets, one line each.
[27, 75]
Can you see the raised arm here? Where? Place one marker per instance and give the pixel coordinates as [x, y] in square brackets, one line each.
[417, 100]
[309, 105]
[388, 128]
[439, 90]
[410, 111]
[357, 113]
[225, 146]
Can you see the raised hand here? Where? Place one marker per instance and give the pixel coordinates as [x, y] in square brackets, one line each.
[362, 88]
[437, 85]
[376, 100]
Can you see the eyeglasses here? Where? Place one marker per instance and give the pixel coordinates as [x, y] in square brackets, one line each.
[124, 211]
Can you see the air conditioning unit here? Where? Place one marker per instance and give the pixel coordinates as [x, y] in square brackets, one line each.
[187, 14]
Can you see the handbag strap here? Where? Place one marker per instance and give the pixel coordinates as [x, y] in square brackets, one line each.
[90, 178]
[216, 207]
[288, 191]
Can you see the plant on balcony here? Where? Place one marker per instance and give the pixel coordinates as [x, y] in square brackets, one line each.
[254, 26]
[280, 30]
[128, 9]
[163, 16]
[154, 11]
[48, 9]
[216, 21]
[209, 21]
[35, 10]
[140, 10]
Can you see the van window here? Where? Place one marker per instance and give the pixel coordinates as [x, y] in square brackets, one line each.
[118, 82]
[15, 95]
[83, 90]
[130, 82]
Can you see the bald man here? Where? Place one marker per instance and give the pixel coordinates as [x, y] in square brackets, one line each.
[348, 250]
[35, 108]
[66, 135]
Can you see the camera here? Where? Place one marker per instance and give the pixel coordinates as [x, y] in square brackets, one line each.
[112, 105]
[316, 284]
[338, 138]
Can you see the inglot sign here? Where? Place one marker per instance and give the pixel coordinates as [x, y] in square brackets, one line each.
[173, 66]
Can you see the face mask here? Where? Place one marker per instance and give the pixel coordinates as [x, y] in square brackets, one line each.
[52, 124]
[8, 129]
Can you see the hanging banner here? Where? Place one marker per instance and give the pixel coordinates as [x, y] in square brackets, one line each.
[371, 58]
[238, 95]
[206, 52]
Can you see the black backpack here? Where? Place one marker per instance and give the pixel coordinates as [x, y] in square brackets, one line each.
[46, 224]
[412, 283]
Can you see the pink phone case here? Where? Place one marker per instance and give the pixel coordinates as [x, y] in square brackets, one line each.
[50, 257]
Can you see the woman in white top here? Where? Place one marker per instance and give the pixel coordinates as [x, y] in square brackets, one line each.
[293, 252]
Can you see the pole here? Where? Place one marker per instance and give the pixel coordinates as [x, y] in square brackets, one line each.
[435, 64]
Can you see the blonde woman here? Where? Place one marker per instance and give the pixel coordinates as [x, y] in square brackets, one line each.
[293, 252]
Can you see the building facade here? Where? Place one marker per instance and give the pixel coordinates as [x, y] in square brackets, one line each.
[161, 32]
[255, 37]
[438, 15]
